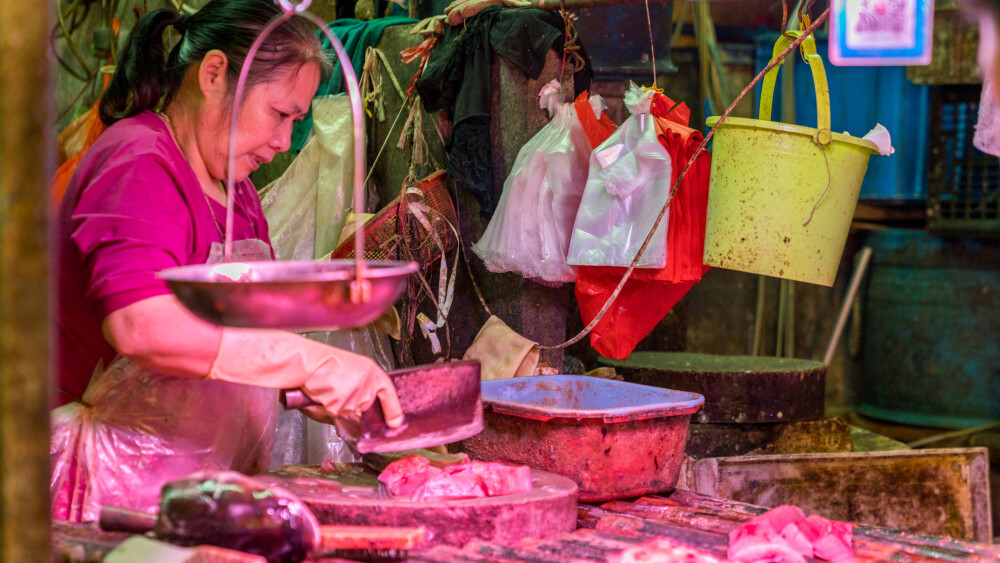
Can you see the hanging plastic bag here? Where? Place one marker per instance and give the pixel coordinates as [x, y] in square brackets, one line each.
[627, 185]
[987, 136]
[650, 294]
[530, 230]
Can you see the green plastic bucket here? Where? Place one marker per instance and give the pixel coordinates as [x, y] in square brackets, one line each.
[782, 196]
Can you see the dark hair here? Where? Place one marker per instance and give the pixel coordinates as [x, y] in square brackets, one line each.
[147, 73]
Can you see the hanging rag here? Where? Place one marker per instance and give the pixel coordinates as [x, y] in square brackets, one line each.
[458, 79]
[530, 231]
[502, 352]
[650, 294]
[356, 36]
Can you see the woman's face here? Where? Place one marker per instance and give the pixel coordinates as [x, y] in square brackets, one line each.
[267, 114]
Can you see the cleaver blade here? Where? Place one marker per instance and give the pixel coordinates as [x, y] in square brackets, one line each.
[441, 405]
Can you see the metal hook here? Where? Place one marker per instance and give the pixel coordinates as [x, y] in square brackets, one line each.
[290, 7]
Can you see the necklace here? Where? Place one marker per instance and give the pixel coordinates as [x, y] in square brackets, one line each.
[208, 202]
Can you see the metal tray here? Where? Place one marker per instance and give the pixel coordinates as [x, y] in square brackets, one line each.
[287, 294]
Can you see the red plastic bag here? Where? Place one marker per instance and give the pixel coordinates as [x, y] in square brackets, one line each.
[649, 294]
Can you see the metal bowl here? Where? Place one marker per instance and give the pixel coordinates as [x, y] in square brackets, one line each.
[287, 294]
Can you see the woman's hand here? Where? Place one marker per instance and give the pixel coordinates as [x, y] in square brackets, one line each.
[344, 383]
[161, 335]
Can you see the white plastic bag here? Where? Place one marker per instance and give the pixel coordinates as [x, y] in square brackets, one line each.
[531, 228]
[627, 185]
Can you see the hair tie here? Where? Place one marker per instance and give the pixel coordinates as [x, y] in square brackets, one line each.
[181, 23]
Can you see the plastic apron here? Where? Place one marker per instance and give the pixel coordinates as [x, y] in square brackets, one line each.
[135, 430]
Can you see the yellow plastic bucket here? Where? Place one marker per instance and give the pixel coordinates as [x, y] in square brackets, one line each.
[773, 207]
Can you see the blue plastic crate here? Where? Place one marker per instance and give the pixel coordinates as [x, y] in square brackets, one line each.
[860, 97]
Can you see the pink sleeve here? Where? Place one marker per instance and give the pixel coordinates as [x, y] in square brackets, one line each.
[132, 221]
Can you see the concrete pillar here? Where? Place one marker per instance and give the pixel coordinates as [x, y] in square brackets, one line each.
[535, 311]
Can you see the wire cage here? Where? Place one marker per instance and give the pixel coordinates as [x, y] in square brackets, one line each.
[963, 183]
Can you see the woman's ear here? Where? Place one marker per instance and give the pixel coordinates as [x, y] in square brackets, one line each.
[212, 76]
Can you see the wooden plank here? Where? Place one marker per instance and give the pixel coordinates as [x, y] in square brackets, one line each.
[941, 492]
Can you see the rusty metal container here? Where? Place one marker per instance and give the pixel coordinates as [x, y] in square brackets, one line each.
[614, 439]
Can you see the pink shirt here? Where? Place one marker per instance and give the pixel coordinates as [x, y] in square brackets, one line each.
[133, 207]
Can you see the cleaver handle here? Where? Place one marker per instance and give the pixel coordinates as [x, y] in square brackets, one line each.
[116, 519]
[295, 399]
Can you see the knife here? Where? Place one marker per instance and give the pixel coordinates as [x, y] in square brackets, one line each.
[441, 404]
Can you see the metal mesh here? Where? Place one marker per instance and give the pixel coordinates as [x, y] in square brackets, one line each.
[963, 183]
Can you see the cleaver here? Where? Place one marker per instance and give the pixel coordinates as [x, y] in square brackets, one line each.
[441, 404]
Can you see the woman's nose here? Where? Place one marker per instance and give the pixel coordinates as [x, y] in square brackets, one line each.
[281, 141]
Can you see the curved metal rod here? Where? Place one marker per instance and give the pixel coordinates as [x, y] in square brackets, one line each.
[360, 286]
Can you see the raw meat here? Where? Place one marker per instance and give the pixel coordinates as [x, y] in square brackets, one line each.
[755, 550]
[798, 541]
[414, 478]
[662, 549]
[405, 477]
[781, 516]
[757, 540]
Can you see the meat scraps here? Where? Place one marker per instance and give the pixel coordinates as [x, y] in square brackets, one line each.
[663, 549]
[785, 535]
[415, 478]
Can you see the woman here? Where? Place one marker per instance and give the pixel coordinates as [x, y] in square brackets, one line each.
[157, 393]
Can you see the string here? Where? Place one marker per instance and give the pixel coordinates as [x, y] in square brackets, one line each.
[652, 50]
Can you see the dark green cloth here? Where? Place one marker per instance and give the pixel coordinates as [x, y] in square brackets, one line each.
[356, 36]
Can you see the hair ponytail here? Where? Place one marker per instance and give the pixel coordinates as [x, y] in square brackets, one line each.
[141, 77]
[148, 74]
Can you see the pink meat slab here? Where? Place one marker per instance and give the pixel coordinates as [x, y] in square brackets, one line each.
[549, 507]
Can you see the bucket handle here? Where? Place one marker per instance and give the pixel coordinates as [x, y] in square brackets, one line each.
[808, 48]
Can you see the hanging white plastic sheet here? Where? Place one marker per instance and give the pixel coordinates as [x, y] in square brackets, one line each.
[306, 210]
[628, 183]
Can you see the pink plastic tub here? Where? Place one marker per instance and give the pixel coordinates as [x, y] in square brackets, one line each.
[615, 439]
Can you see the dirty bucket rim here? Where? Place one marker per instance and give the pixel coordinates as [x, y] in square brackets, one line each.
[789, 128]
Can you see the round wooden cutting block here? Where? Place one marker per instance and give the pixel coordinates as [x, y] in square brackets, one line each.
[737, 389]
[549, 507]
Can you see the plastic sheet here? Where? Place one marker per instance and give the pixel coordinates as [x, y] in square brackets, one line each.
[627, 185]
[530, 230]
[317, 185]
[306, 210]
[136, 430]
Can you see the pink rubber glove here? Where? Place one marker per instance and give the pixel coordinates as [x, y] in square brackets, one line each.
[344, 383]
